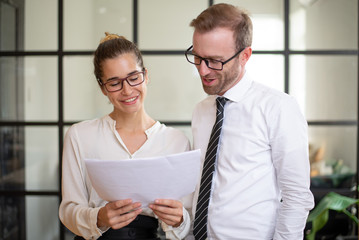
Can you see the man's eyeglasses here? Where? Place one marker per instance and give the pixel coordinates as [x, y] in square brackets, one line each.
[116, 84]
[211, 63]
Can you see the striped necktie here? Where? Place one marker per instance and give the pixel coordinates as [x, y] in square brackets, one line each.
[200, 221]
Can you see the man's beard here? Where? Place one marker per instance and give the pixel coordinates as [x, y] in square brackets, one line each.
[225, 80]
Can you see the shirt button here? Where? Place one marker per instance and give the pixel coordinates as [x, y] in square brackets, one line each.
[132, 233]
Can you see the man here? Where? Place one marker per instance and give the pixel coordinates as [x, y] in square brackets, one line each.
[259, 185]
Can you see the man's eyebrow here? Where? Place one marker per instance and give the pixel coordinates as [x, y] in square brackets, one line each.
[208, 57]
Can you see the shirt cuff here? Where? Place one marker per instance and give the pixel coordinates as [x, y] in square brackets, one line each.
[179, 232]
[97, 231]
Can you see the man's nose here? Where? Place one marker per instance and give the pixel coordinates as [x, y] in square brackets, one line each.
[203, 68]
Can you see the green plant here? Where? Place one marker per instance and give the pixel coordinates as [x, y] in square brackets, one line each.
[320, 214]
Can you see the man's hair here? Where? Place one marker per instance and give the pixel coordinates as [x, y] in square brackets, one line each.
[228, 16]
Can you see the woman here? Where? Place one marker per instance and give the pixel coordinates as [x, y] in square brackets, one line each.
[127, 132]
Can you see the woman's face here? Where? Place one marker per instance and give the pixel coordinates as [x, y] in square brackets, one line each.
[130, 99]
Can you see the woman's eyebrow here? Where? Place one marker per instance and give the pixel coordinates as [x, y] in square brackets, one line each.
[114, 78]
[135, 71]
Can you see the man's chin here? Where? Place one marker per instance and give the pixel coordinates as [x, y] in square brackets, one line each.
[209, 90]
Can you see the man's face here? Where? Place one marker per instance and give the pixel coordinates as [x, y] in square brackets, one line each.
[217, 44]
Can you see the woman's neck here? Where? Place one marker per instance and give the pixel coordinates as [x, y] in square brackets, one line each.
[132, 127]
[139, 121]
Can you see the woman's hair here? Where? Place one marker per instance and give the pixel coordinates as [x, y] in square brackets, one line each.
[228, 16]
[111, 46]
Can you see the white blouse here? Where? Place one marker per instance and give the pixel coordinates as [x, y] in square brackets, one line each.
[98, 139]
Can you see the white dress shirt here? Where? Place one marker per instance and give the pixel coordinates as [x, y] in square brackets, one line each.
[260, 188]
[98, 139]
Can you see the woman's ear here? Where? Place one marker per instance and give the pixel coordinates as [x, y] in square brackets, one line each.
[103, 90]
[147, 79]
[102, 86]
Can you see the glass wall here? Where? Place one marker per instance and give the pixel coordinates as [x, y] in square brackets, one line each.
[323, 77]
[308, 49]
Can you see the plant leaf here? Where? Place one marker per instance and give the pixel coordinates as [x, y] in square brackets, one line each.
[320, 214]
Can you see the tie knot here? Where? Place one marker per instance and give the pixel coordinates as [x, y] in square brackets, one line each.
[221, 101]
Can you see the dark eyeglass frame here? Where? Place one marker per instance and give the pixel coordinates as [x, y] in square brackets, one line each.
[122, 80]
[188, 51]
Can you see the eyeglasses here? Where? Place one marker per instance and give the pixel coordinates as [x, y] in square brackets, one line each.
[116, 84]
[211, 63]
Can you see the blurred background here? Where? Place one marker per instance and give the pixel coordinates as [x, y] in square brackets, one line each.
[307, 48]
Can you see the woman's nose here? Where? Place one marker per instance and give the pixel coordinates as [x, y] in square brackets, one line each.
[126, 88]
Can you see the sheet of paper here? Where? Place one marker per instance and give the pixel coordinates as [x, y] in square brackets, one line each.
[146, 179]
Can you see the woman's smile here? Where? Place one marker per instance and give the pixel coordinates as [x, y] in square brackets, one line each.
[131, 100]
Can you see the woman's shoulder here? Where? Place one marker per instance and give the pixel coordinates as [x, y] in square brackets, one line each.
[172, 139]
[88, 126]
[168, 132]
[164, 129]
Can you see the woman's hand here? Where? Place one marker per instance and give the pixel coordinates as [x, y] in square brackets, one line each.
[169, 211]
[118, 214]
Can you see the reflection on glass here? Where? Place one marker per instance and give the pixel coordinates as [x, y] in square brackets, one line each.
[8, 26]
[12, 218]
[268, 22]
[44, 37]
[28, 88]
[11, 89]
[172, 33]
[330, 24]
[333, 154]
[85, 31]
[267, 69]
[174, 88]
[41, 158]
[12, 158]
[325, 86]
[42, 218]
[84, 99]
[40, 88]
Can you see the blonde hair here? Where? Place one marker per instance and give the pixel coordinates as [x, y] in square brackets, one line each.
[111, 46]
[110, 36]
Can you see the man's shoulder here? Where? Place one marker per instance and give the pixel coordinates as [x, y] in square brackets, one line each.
[267, 94]
[268, 90]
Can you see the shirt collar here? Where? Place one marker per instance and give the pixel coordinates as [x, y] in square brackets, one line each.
[238, 91]
[148, 131]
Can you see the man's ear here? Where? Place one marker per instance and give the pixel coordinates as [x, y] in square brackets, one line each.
[246, 54]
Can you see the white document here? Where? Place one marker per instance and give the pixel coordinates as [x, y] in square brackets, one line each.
[146, 179]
